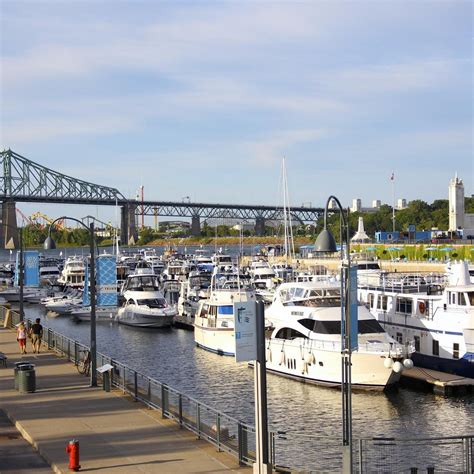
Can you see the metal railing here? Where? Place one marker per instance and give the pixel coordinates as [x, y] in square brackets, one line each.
[305, 452]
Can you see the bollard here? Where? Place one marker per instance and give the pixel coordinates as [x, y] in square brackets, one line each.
[430, 470]
[413, 470]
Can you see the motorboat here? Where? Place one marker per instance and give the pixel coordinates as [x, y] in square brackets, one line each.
[214, 320]
[83, 313]
[73, 273]
[144, 303]
[304, 342]
[145, 312]
[437, 317]
[193, 290]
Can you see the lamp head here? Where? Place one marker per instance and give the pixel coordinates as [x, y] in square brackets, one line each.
[49, 243]
[325, 242]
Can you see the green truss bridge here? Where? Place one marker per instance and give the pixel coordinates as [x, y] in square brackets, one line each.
[27, 181]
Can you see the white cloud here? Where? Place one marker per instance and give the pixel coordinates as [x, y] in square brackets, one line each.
[44, 130]
[270, 150]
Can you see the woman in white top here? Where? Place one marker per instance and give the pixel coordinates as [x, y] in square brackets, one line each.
[21, 337]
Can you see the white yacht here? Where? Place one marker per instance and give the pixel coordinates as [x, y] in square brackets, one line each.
[438, 319]
[145, 305]
[193, 290]
[214, 320]
[73, 273]
[305, 340]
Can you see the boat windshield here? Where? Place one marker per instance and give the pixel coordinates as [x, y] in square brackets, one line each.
[299, 296]
[142, 283]
[153, 302]
[365, 326]
[200, 281]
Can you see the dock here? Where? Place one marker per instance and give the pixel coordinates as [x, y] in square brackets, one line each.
[440, 382]
[116, 434]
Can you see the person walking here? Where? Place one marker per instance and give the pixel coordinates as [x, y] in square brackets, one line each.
[21, 336]
[36, 332]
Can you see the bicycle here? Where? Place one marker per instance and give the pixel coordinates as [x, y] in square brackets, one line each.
[84, 363]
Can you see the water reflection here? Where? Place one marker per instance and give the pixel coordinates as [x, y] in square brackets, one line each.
[170, 356]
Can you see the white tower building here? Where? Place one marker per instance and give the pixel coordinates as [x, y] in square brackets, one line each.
[456, 204]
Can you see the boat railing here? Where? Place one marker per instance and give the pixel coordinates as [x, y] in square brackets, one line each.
[390, 348]
[402, 282]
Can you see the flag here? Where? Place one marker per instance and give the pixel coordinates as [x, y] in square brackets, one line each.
[392, 176]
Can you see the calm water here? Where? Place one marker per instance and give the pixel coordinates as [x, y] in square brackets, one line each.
[170, 356]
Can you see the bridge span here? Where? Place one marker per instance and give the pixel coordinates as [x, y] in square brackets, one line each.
[26, 181]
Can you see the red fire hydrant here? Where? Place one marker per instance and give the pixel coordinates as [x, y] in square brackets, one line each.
[73, 450]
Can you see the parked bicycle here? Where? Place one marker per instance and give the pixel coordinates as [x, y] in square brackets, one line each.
[84, 363]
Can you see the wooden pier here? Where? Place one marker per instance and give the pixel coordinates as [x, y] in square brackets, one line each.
[440, 382]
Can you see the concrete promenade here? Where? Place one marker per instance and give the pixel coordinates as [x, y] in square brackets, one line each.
[116, 435]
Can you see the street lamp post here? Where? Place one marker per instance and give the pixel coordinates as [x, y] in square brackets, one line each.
[21, 269]
[325, 242]
[50, 244]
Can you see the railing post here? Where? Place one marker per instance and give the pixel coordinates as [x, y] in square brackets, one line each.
[361, 444]
[198, 420]
[123, 380]
[49, 338]
[135, 385]
[180, 410]
[240, 444]
[163, 400]
[112, 373]
[68, 350]
[149, 389]
[218, 431]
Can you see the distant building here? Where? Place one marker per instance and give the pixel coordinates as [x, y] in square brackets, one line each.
[357, 206]
[401, 204]
[459, 221]
[360, 236]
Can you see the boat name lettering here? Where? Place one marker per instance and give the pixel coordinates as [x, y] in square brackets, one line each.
[297, 313]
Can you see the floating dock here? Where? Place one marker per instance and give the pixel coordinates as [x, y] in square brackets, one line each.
[440, 382]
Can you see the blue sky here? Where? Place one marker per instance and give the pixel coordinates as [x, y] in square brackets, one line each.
[204, 99]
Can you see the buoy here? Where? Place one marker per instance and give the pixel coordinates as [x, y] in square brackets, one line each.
[388, 363]
[408, 364]
[269, 354]
[397, 367]
[308, 359]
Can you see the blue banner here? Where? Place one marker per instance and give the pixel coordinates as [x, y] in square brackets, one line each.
[354, 336]
[85, 295]
[31, 259]
[16, 276]
[106, 280]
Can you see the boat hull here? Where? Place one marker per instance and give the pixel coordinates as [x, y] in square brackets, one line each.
[323, 367]
[220, 341]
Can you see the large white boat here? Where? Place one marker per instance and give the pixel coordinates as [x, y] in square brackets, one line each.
[438, 319]
[192, 291]
[145, 305]
[305, 340]
[214, 320]
[73, 273]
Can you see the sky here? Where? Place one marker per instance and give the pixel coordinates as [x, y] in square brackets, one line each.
[205, 99]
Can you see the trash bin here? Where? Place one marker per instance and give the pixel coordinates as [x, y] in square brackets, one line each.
[17, 369]
[26, 378]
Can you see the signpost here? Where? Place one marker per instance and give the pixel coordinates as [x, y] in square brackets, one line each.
[249, 324]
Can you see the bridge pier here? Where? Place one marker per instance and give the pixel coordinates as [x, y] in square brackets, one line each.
[9, 229]
[195, 226]
[128, 224]
[260, 226]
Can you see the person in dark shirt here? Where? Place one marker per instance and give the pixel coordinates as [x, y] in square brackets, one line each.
[36, 332]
